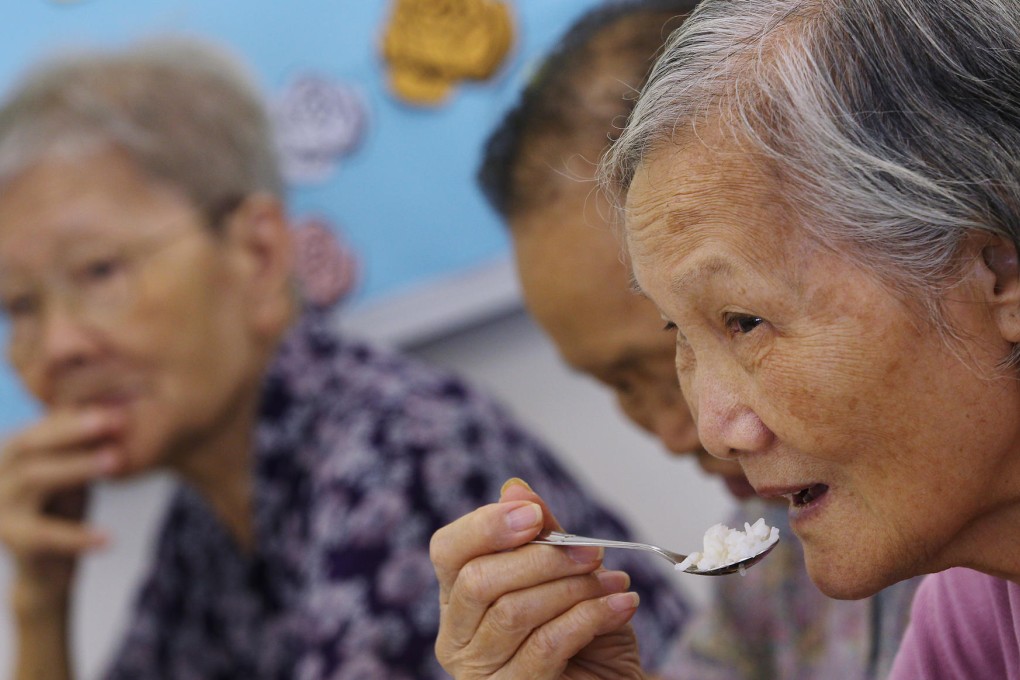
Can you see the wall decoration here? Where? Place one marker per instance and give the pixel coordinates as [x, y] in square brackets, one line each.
[325, 266]
[318, 120]
[430, 45]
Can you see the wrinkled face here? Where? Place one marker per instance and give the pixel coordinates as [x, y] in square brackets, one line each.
[894, 453]
[577, 288]
[119, 297]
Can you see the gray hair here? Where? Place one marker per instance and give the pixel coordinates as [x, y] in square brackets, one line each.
[184, 111]
[893, 125]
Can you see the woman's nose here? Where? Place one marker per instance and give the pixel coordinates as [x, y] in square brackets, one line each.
[64, 338]
[727, 425]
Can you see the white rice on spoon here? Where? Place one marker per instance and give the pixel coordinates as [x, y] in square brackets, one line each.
[725, 546]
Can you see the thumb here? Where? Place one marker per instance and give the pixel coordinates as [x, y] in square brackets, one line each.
[516, 489]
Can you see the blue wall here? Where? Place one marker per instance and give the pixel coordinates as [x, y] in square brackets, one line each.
[405, 198]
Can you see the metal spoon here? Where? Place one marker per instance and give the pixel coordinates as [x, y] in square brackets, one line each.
[559, 538]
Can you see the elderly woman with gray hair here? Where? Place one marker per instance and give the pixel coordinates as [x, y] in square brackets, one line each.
[147, 295]
[822, 199]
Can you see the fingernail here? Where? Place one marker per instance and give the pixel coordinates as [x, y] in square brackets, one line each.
[584, 554]
[623, 602]
[510, 482]
[524, 517]
[614, 581]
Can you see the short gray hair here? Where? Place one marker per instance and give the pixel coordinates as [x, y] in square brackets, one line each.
[184, 111]
[893, 125]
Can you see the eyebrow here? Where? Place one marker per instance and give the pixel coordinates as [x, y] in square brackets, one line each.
[712, 266]
[706, 269]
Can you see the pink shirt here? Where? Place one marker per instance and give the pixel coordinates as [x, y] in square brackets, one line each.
[965, 625]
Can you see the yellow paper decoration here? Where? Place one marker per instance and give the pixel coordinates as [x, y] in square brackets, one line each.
[430, 45]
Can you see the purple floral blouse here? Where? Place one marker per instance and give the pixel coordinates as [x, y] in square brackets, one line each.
[361, 455]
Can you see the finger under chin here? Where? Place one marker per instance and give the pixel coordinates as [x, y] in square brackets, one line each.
[603, 621]
[40, 479]
[32, 537]
[489, 529]
[65, 430]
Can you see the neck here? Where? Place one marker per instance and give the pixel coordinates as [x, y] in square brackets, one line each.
[219, 467]
[219, 464]
[988, 542]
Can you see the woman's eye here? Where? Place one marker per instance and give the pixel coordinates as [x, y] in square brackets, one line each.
[743, 323]
[18, 306]
[99, 270]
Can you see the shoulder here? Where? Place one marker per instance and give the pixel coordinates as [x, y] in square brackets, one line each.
[969, 597]
[375, 418]
[955, 591]
[188, 525]
[963, 624]
[352, 378]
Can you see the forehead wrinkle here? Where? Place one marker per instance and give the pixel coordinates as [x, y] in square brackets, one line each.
[674, 211]
[699, 203]
[675, 220]
[769, 222]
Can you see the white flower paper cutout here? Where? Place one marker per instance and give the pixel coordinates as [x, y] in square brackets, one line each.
[317, 121]
[326, 267]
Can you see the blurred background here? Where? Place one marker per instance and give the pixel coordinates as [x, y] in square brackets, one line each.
[388, 167]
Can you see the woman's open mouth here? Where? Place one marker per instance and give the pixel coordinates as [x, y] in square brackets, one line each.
[807, 495]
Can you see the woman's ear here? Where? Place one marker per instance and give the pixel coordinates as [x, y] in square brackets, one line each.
[1000, 282]
[261, 242]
